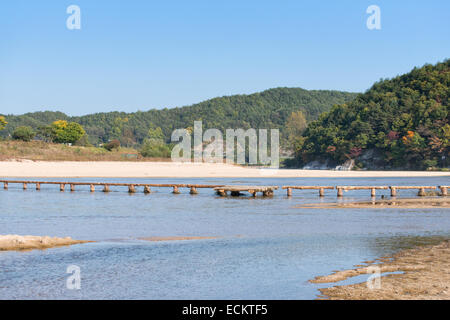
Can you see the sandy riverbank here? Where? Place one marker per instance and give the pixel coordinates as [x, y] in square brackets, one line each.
[426, 276]
[112, 169]
[15, 242]
[403, 203]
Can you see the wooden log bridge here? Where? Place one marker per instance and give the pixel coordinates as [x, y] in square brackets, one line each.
[220, 189]
[421, 189]
[341, 189]
[132, 187]
[235, 191]
[320, 188]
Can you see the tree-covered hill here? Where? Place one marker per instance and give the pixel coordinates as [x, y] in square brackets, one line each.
[398, 123]
[268, 109]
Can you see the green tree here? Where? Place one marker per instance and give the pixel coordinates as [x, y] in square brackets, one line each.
[45, 133]
[23, 133]
[155, 149]
[155, 134]
[67, 132]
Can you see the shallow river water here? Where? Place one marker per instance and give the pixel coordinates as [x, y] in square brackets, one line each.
[264, 248]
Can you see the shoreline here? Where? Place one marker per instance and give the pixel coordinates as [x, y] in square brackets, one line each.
[115, 169]
[425, 276]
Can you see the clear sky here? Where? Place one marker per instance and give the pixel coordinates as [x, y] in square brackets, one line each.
[137, 55]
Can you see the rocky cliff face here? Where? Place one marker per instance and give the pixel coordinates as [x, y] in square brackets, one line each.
[369, 160]
[328, 165]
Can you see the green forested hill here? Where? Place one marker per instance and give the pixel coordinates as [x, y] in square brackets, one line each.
[268, 109]
[399, 123]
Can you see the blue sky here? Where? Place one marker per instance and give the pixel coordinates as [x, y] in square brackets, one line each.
[137, 55]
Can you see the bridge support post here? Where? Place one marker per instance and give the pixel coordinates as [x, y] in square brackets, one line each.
[105, 188]
[131, 189]
[321, 192]
[5, 185]
[193, 190]
[289, 192]
[222, 193]
[72, 188]
[38, 186]
[147, 189]
[25, 186]
[340, 192]
[61, 187]
[175, 190]
[373, 192]
[444, 191]
[393, 192]
[92, 187]
[421, 192]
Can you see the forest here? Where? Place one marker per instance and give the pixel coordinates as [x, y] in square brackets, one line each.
[398, 123]
[268, 109]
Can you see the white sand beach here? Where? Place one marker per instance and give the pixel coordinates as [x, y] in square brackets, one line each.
[119, 169]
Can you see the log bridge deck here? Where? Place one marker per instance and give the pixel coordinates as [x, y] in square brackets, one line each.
[106, 186]
[421, 193]
[222, 190]
[253, 190]
[320, 188]
[341, 189]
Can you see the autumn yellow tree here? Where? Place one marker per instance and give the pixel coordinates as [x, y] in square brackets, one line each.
[3, 122]
[295, 126]
[66, 132]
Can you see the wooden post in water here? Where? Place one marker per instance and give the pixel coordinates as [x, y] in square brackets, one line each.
[131, 188]
[289, 192]
[443, 191]
[393, 191]
[92, 188]
[72, 188]
[421, 192]
[340, 192]
[175, 190]
[373, 192]
[61, 187]
[222, 193]
[5, 185]
[38, 186]
[193, 190]
[147, 189]
[321, 192]
[105, 188]
[25, 186]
